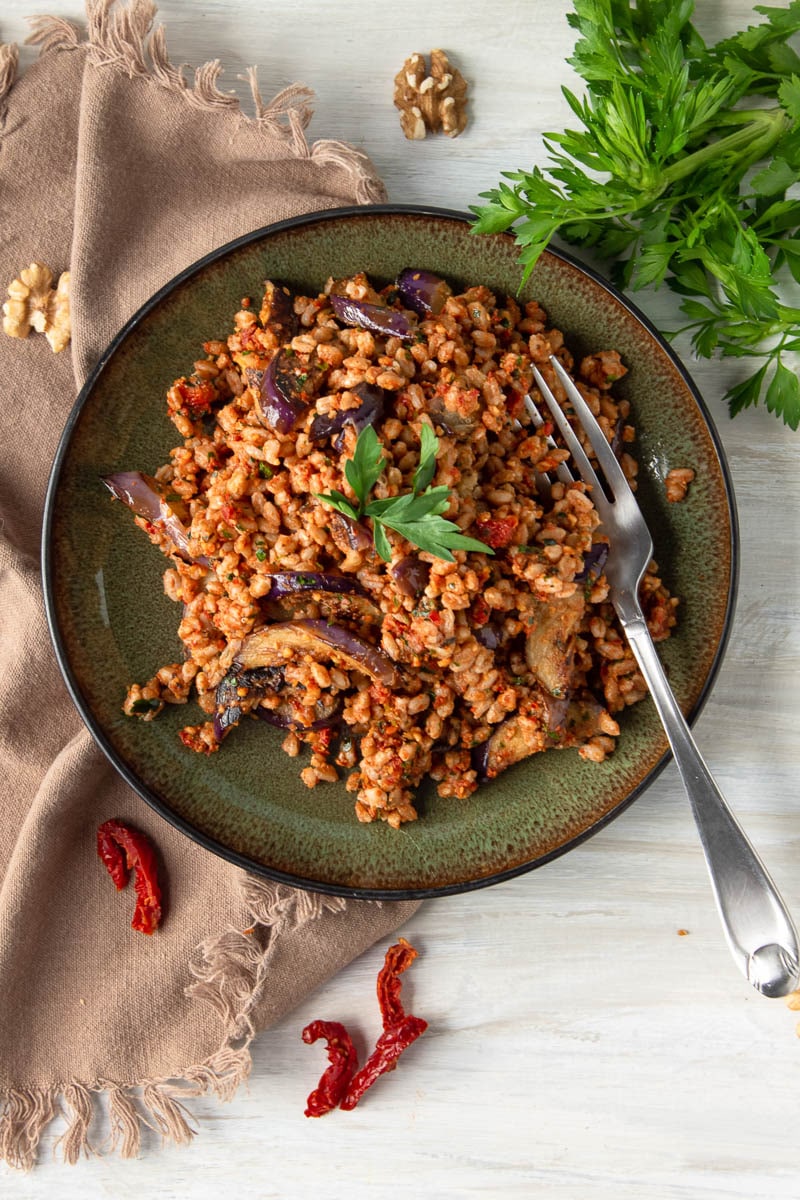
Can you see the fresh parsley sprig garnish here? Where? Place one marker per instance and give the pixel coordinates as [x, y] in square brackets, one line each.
[676, 177]
[416, 515]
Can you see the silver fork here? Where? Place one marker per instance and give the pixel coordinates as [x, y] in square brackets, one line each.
[760, 932]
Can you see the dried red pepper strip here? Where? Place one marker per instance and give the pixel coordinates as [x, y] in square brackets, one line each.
[388, 1048]
[344, 1085]
[112, 856]
[343, 1059]
[398, 959]
[123, 850]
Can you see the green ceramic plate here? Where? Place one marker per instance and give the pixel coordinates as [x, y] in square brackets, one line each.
[112, 624]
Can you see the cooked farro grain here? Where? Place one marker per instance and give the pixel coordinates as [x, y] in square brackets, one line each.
[389, 671]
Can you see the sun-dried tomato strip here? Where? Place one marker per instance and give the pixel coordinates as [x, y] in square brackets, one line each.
[398, 959]
[123, 850]
[112, 856]
[343, 1084]
[343, 1059]
[388, 1048]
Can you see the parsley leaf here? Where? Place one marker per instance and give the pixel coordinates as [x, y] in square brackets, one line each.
[363, 470]
[340, 503]
[675, 175]
[429, 448]
[416, 515]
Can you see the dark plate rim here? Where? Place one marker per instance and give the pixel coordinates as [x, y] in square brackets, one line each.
[93, 725]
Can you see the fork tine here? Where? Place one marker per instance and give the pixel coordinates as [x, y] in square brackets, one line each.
[585, 468]
[605, 456]
[562, 470]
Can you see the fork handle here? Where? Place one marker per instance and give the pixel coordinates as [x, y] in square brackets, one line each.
[757, 924]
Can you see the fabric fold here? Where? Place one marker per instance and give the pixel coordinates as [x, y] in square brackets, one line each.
[153, 168]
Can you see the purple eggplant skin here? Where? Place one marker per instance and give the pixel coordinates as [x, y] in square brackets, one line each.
[488, 636]
[349, 535]
[277, 311]
[337, 595]
[329, 712]
[593, 562]
[281, 400]
[288, 583]
[228, 696]
[322, 641]
[377, 318]
[425, 293]
[369, 412]
[256, 682]
[411, 576]
[142, 495]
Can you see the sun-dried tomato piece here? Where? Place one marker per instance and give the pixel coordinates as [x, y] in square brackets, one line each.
[123, 850]
[344, 1085]
[192, 398]
[398, 959]
[388, 1048]
[343, 1059]
[113, 858]
[495, 531]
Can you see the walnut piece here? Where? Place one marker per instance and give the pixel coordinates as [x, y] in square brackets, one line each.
[435, 101]
[33, 303]
[59, 326]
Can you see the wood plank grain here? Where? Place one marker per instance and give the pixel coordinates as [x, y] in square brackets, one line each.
[579, 1046]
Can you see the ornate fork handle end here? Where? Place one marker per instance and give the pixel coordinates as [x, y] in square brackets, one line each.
[757, 924]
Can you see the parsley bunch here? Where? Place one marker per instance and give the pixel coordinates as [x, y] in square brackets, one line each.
[416, 515]
[679, 176]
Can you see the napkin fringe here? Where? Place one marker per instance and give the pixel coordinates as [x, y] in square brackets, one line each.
[123, 38]
[231, 968]
[230, 972]
[9, 62]
[156, 1105]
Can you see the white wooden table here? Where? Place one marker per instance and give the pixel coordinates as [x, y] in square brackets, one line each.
[579, 1047]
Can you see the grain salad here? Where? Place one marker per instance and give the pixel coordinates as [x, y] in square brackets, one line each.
[370, 550]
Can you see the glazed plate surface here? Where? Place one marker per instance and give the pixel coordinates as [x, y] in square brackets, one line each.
[112, 624]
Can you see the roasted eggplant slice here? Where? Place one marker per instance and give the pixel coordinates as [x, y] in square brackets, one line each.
[273, 645]
[277, 311]
[238, 691]
[411, 575]
[336, 595]
[349, 535]
[369, 412]
[517, 738]
[281, 399]
[550, 643]
[545, 724]
[292, 713]
[377, 318]
[145, 497]
[423, 291]
[242, 691]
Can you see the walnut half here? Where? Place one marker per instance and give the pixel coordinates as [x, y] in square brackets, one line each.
[430, 101]
[33, 303]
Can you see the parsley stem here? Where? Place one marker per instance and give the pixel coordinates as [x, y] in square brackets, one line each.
[773, 122]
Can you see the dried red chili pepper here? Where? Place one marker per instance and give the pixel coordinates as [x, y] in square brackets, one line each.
[388, 1048]
[343, 1059]
[342, 1084]
[123, 850]
[398, 959]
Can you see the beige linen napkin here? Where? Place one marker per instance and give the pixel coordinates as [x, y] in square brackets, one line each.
[116, 166]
